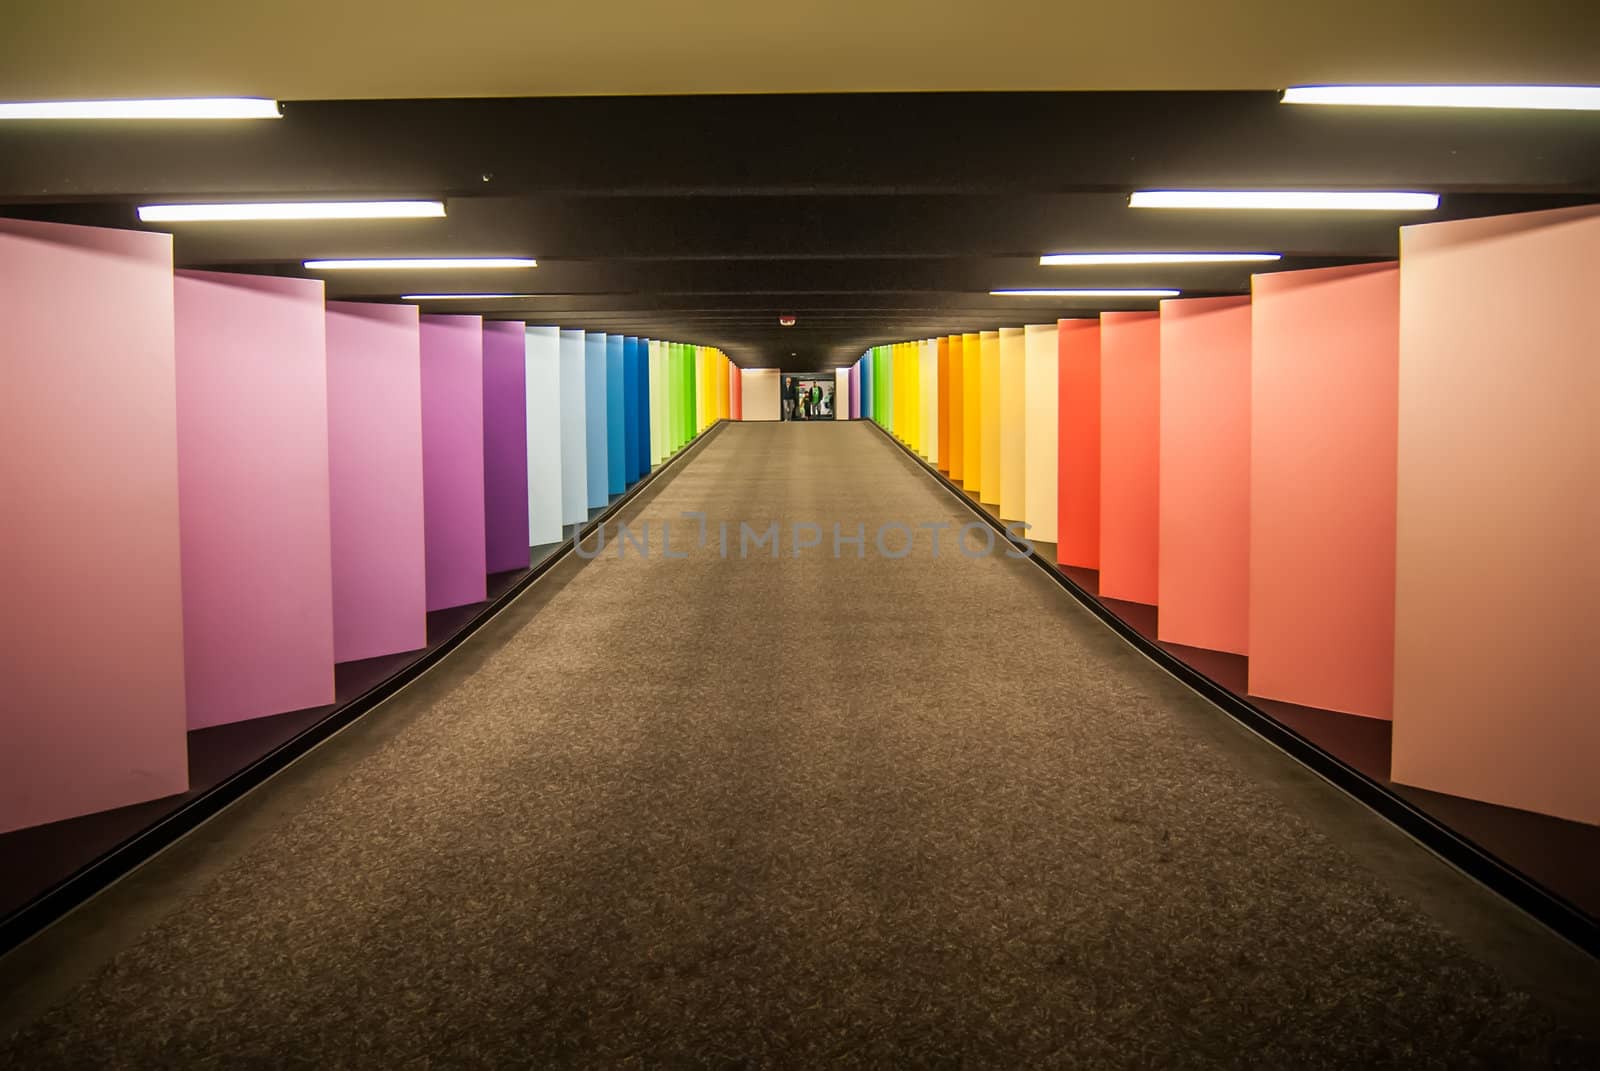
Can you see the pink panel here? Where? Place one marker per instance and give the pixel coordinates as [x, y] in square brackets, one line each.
[1325, 368]
[1205, 473]
[1078, 444]
[92, 648]
[505, 445]
[252, 376]
[452, 459]
[375, 478]
[1497, 579]
[1130, 454]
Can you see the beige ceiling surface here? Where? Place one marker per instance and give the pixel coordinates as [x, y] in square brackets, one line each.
[328, 49]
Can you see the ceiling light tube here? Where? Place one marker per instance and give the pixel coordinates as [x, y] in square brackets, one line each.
[1069, 259]
[462, 297]
[1336, 200]
[291, 210]
[179, 108]
[1533, 98]
[420, 263]
[1085, 293]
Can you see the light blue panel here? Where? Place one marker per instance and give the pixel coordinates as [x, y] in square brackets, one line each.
[594, 407]
[574, 431]
[543, 385]
[616, 416]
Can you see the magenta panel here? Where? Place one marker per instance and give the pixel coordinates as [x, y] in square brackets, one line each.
[252, 375]
[452, 459]
[91, 650]
[505, 445]
[375, 479]
[1204, 573]
[1325, 368]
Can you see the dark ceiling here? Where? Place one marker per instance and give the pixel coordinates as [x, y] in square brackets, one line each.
[868, 218]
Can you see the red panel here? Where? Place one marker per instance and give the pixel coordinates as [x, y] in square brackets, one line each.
[735, 392]
[1078, 445]
[1205, 473]
[1325, 367]
[1130, 454]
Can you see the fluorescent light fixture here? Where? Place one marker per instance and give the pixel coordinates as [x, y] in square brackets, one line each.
[1543, 98]
[1067, 259]
[1358, 200]
[291, 210]
[461, 297]
[419, 263]
[181, 108]
[1085, 293]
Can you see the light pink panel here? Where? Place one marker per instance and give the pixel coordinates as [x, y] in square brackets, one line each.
[1204, 589]
[1497, 571]
[252, 375]
[91, 652]
[375, 474]
[1325, 370]
[1130, 454]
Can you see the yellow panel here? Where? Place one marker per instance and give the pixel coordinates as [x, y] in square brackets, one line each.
[914, 402]
[989, 364]
[720, 370]
[956, 414]
[1013, 422]
[972, 413]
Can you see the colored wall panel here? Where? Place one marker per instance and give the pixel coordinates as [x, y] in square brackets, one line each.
[89, 402]
[735, 395]
[855, 391]
[574, 430]
[1204, 516]
[1497, 579]
[452, 459]
[841, 394]
[616, 416]
[971, 413]
[761, 395]
[1325, 370]
[541, 447]
[724, 402]
[1130, 455]
[956, 413]
[941, 401]
[380, 593]
[594, 399]
[1041, 453]
[253, 494]
[1013, 422]
[867, 386]
[521, 493]
[989, 459]
[658, 420]
[632, 379]
[928, 386]
[1078, 430]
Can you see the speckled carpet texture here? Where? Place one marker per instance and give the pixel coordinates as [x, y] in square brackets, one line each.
[800, 812]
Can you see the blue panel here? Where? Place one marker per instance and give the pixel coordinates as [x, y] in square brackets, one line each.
[594, 400]
[616, 417]
[630, 410]
[646, 435]
[867, 391]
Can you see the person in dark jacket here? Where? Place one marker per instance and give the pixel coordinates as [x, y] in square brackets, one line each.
[788, 397]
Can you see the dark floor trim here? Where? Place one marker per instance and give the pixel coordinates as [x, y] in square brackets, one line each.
[1543, 904]
[102, 872]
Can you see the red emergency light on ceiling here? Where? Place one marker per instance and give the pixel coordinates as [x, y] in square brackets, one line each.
[786, 321]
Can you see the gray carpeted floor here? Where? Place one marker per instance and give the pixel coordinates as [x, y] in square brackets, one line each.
[797, 812]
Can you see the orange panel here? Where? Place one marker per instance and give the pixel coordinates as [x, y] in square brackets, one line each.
[944, 404]
[957, 409]
[1078, 476]
[1130, 454]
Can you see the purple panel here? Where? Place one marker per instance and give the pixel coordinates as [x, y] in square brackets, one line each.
[91, 641]
[252, 374]
[375, 479]
[505, 446]
[855, 391]
[452, 459]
